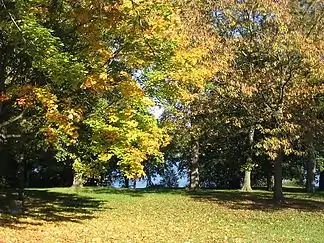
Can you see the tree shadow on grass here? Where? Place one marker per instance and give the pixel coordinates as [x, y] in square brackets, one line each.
[44, 206]
[295, 198]
[260, 200]
[140, 192]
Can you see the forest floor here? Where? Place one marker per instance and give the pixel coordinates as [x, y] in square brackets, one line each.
[125, 215]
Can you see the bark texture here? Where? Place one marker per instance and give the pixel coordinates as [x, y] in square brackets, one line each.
[247, 181]
[278, 194]
[77, 180]
[249, 164]
[321, 181]
[194, 167]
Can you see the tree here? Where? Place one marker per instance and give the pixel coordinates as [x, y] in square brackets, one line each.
[275, 60]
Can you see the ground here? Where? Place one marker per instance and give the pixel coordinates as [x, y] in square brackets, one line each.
[119, 215]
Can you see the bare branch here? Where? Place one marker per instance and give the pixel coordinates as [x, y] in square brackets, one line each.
[13, 136]
[11, 17]
[6, 123]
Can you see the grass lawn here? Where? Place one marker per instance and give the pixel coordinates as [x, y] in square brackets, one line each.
[119, 215]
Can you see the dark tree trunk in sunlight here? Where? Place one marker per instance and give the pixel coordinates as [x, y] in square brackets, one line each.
[194, 167]
[134, 183]
[278, 194]
[321, 181]
[149, 182]
[126, 182]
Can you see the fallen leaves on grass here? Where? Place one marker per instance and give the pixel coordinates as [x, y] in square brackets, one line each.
[175, 216]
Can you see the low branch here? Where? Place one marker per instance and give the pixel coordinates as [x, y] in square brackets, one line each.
[11, 17]
[13, 136]
[314, 24]
[6, 123]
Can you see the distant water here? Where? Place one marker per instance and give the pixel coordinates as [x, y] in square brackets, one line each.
[183, 182]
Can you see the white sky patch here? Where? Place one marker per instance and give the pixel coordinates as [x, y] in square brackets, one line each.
[156, 111]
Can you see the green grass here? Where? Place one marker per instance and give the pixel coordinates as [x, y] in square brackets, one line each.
[119, 215]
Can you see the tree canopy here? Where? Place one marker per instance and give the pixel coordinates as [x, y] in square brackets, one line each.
[240, 84]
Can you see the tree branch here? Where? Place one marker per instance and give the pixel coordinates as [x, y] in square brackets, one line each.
[141, 26]
[6, 123]
[109, 61]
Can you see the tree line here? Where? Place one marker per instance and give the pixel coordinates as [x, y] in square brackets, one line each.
[240, 84]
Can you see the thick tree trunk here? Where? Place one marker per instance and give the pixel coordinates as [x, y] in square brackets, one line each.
[278, 195]
[134, 183]
[249, 164]
[321, 181]
[77, 180]
[149, 182]
[194, 167]
[126, 182]
[311, 164]
[247, 181]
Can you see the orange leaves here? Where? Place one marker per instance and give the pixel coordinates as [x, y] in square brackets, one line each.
[248, 90]
[26, 97]
[59, 122]
[4, 97]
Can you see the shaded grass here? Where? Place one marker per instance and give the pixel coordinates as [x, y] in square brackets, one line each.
[161, 215]
[51, 206]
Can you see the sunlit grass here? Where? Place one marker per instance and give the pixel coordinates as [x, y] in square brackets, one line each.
[119, 215]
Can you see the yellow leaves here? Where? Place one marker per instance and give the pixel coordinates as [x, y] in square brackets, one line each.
[130, 90]
[131, 162]
[103, 76]
[99, 82]
[105, 156]
[113, 118]
[127, 4]
[61, 124]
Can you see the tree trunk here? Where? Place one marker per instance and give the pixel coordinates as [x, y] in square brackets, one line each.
[249, 164]
[77, 180]
[278, 195]
[247, 181]
[194, 170]
[311, 164]
[126, 182]
[149, 182]
[134, 183]
[321, 181]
